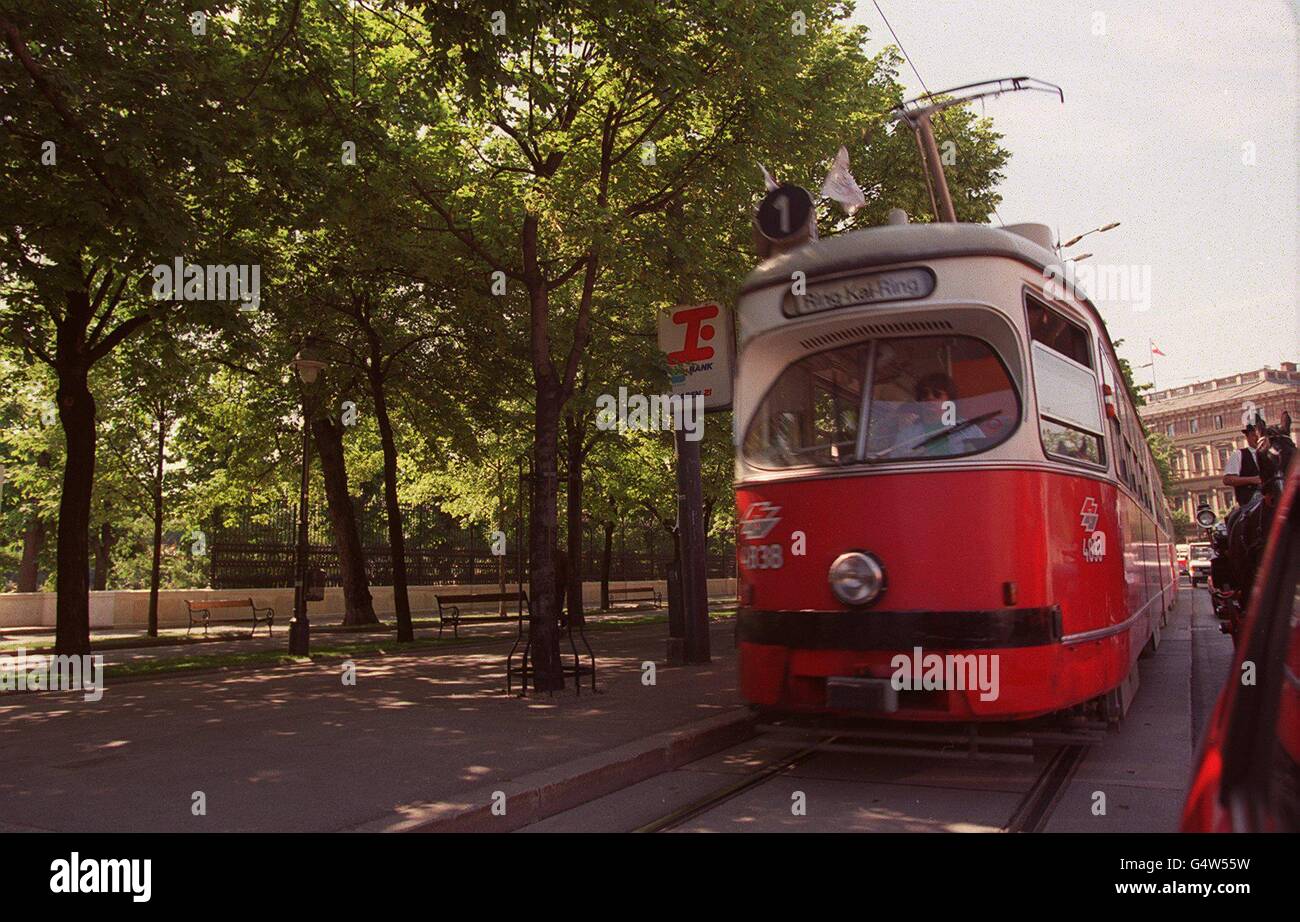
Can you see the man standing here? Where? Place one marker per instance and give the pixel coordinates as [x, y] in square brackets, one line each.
[1242, 471]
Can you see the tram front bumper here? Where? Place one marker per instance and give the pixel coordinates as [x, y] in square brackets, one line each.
[867, 662]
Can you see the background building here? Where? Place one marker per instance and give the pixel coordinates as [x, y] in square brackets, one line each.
[1204, 421]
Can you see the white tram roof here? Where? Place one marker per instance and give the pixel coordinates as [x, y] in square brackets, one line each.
[896, 243]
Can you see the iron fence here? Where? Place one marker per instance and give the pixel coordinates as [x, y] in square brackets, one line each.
[257, 551]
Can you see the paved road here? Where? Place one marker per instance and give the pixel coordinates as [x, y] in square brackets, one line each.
[292, 748]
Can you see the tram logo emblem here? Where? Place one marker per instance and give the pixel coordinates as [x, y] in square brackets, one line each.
[1088, 514]
[1094, 541]
[759, 519]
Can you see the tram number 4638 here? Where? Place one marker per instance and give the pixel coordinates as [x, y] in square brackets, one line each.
[761, 557]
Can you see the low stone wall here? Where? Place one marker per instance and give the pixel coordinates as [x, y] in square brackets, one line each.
[129, 608]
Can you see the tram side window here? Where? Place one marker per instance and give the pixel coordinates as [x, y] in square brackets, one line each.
[1057, 333]
[1068, 392]
[1069, 417]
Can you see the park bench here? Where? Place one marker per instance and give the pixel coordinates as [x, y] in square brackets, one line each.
[449, 607]
[635, 593]
[201, 613]
[576, 671]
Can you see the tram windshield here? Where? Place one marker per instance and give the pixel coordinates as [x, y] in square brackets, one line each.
[920, 397]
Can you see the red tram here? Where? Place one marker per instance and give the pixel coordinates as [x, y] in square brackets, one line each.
[946, 504]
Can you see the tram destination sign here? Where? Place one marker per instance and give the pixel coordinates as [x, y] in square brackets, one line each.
[878, 287]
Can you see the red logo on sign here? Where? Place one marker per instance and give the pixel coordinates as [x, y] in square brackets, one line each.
[696, 330]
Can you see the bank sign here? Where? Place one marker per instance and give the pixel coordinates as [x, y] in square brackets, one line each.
[699, 346]
[895, 285]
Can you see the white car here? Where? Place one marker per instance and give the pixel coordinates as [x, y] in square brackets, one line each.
[1198, 562]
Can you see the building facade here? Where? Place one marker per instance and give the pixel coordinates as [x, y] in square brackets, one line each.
[1204, 422]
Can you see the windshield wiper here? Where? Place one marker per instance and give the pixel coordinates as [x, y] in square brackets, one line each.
[935, 436]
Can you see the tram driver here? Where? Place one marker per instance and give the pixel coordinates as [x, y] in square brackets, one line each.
[932, 429]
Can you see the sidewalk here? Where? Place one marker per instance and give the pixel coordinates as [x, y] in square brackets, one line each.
[294, 749]
[1144, 768]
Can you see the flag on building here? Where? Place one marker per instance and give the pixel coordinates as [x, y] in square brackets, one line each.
[1155, 350]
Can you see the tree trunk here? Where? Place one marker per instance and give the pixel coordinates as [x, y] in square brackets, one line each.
[33, 542]
[103, 556]
[501, 558]
[155, 571]
[396, 544]
[359, 607]
[606, 561]
[551, 389]
[543, 625]
[573, 512]
[77, 414]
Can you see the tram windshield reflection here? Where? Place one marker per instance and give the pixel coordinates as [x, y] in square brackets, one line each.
[921, 397]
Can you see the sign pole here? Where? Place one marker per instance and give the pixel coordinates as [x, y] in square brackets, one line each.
[698, 344]
[690, 534]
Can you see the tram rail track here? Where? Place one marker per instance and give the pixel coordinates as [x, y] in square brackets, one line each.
[714, 798]
[1065, 752]
[1035, 808]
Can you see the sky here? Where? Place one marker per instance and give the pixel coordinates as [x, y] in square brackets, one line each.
[1165, 104]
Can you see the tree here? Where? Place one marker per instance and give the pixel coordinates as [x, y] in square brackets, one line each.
[147, 395]
[479, 225]
[1162, 449]
[30, 453]
[572, 124]
[359, 607]
[357, 285]
[96, 186]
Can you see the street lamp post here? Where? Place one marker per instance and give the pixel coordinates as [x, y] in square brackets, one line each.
[307, 364]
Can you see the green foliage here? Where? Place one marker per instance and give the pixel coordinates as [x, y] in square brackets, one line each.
[231, 148]
[1164, 452]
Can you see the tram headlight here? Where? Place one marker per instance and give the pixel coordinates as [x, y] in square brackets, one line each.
[857, 578]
